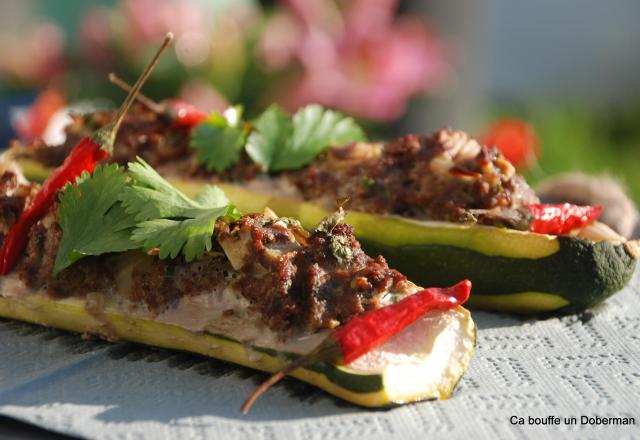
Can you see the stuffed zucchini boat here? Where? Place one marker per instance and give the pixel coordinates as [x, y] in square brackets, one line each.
[125, 256]
[439, 208]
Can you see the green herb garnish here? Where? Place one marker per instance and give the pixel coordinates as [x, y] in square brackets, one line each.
[265, 144]
[114, 210]
[220, 139]
[92, 219]
[168, 219]
[278, 142]
[314, 129]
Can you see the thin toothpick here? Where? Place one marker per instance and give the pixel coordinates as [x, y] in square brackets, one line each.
[327, 351]
[145, 100]
[138, 84]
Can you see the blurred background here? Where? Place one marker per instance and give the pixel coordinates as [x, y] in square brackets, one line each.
[556, 85]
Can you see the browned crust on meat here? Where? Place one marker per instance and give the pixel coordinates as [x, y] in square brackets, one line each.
[161, 283]
[14, 196]
[146, 134]
[424, 177]
[403, 177]
[312, 285]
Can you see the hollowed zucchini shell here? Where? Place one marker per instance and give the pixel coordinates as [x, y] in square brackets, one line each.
[394, 384]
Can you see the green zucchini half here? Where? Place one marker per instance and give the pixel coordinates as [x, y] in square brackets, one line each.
[436, 350]
[512, 271]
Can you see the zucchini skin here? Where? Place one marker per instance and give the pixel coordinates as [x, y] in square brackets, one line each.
[570, 273]
[364, 389]
[581, 273]
[527, 273]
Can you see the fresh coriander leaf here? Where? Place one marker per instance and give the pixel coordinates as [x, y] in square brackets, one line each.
[273, 129]
[215, 196]
[114, 211]
[169, 220]
[314, 129]
[212, 196]
[92, 219]
[192, 236]
[219, 140]
[150, 196]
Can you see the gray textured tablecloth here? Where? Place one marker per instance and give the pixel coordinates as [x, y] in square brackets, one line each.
[586, 365]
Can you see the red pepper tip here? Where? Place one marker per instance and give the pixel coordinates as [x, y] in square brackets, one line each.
[560, 219]
[461, 291]
[597, 210]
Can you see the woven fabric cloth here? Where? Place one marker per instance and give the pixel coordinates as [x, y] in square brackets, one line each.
[529, 371]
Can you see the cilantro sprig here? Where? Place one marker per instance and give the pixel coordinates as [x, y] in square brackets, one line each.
[115, 210]
[219, 139]
[92, 219]
[168, 219]
[275, 140]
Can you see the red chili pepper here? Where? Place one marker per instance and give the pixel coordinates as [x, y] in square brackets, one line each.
[84, 157]
[516, 139]
[90, 151]
[185, 115]
[371, 329]
[562, 218]
[34, 122]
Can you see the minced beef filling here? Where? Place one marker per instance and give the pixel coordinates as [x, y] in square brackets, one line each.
[34, 267]
[293, 279]
[146, 134]
[160, 283]
[313, 282]
[445, 176]
[156, 283]
[13, 198]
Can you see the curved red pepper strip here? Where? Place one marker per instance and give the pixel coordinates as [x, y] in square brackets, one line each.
[185, 115]
[560, 219]
[373, 328]
[84, 157]
[370, 330]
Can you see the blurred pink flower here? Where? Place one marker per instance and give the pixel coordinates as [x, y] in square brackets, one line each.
[202, 30]
[145, 22]
[362, 60]
[96, 36]
[35, 58]
[278, 44]
[354, 55]
[203, 96]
